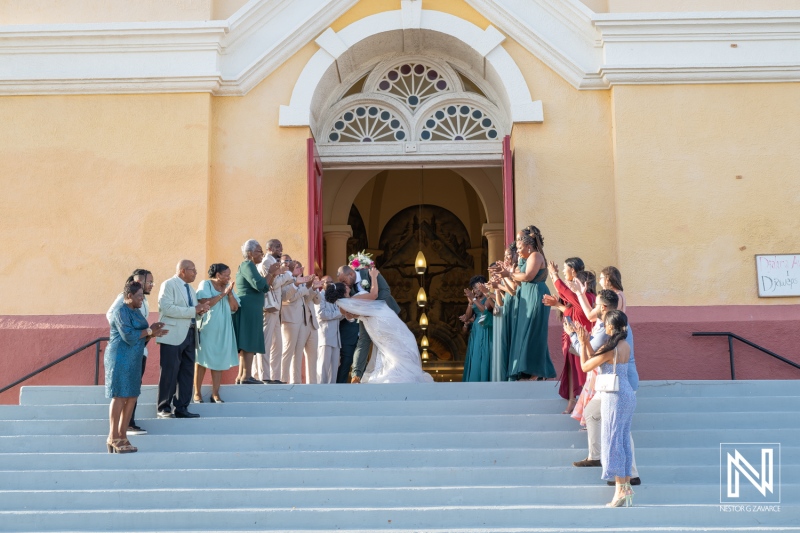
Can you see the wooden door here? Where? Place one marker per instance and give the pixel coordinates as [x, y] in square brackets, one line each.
[315, 258]
[508, 191]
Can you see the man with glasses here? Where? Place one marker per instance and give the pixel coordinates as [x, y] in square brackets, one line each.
[178, 306]
[145, 277]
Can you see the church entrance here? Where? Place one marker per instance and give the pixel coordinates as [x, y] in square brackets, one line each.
[411, 152]
[394, 214]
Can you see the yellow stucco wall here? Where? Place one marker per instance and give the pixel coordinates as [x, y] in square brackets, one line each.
[93, 187]
[258, 169]
[80, 11]
[564, 167]
[636, 6]
[642, 177]
[688, 228]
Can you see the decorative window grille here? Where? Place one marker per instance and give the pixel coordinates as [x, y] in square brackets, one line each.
[413, 83]
[367, 123]
[459, 122]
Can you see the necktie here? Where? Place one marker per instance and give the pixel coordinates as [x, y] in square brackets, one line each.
[189, 298]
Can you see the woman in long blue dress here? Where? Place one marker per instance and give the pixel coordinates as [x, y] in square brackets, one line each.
[216, 349]
[123, 364]
[529, 356]
[477, 363]
[617, 406]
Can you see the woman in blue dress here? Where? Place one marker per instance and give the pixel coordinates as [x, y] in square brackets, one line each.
[477, 363]
[617, 406]
[216, 349]
[123, 364]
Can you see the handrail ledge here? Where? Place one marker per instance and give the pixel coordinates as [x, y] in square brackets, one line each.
[96, 341]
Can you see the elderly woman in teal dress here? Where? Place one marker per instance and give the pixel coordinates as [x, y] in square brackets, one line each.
[216, 349]
[123, 364]
[477, 364]
[248, 321]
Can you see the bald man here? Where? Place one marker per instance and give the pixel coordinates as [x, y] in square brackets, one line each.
[178, 306]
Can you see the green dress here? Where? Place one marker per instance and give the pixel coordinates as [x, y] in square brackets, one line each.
[248, 321]
[528, 354]
[477, 364]
[216, 349]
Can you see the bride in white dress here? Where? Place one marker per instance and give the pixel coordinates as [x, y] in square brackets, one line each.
[395, 357]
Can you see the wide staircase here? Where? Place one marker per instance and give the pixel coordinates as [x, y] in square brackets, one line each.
[488, 457]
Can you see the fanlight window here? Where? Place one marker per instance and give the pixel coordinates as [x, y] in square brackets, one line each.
[367, 123]
[413, 83]
[458, 122]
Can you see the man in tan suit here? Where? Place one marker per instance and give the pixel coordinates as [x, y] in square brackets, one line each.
[267, 367]
[299, 327]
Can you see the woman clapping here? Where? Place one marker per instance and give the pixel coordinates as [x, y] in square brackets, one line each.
[123, 364]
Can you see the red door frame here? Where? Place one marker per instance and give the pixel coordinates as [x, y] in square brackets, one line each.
[508, 191]
[315, 237]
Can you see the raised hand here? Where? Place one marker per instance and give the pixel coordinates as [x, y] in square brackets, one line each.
[275, 269]
[552, 268]
[549, 300]
[583, 335]
[229, 288]
[374, 273]
[469, 295]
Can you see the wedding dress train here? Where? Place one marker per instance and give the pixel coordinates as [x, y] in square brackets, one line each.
[395, 357]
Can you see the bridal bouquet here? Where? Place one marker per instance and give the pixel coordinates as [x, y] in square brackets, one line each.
[361, 261]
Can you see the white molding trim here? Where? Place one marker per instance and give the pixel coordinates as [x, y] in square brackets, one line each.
[589, 50]
[486, 43]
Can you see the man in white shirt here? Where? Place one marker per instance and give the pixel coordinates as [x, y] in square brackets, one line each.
[330, 342]
[267, 368]
[145, 277]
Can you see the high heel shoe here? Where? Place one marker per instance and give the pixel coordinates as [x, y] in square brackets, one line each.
[123, 446]
[197, 399]
[110, 446]
[238, 381]
[623, 498]
[217, 400]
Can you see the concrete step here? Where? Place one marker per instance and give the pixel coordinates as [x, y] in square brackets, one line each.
[455, 457]
[390, 518]
[353, 497]
[644, 405]
[359, 439]
[185, 477]
[381, 423]
[417, 391]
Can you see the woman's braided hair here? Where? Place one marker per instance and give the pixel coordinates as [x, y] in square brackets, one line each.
[531, 236]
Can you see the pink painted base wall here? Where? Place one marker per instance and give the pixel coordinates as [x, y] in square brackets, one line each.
[665, 348]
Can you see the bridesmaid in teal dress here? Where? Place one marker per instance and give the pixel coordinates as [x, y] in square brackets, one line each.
[529, 356]
[216, 349]
[508, 306]
[477, 364]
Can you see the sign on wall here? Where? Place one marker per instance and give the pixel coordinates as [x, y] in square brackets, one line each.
[778, 275]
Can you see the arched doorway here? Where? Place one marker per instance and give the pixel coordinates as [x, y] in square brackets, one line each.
[394, 96]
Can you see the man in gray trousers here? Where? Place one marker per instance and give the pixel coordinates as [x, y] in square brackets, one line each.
[608, 301]
[355, 279]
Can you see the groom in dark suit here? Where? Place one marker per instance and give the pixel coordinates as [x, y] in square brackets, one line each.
[354, 278]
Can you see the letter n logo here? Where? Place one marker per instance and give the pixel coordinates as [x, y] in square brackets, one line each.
[740, 460]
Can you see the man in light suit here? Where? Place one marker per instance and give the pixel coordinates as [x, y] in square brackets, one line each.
[178, 306]
[299, 327]
[330, 341]
[267, 367]
[354, 279]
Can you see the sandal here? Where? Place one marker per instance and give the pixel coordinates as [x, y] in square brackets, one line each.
[123, 446]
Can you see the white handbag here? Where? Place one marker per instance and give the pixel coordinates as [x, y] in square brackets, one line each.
[608, 382]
